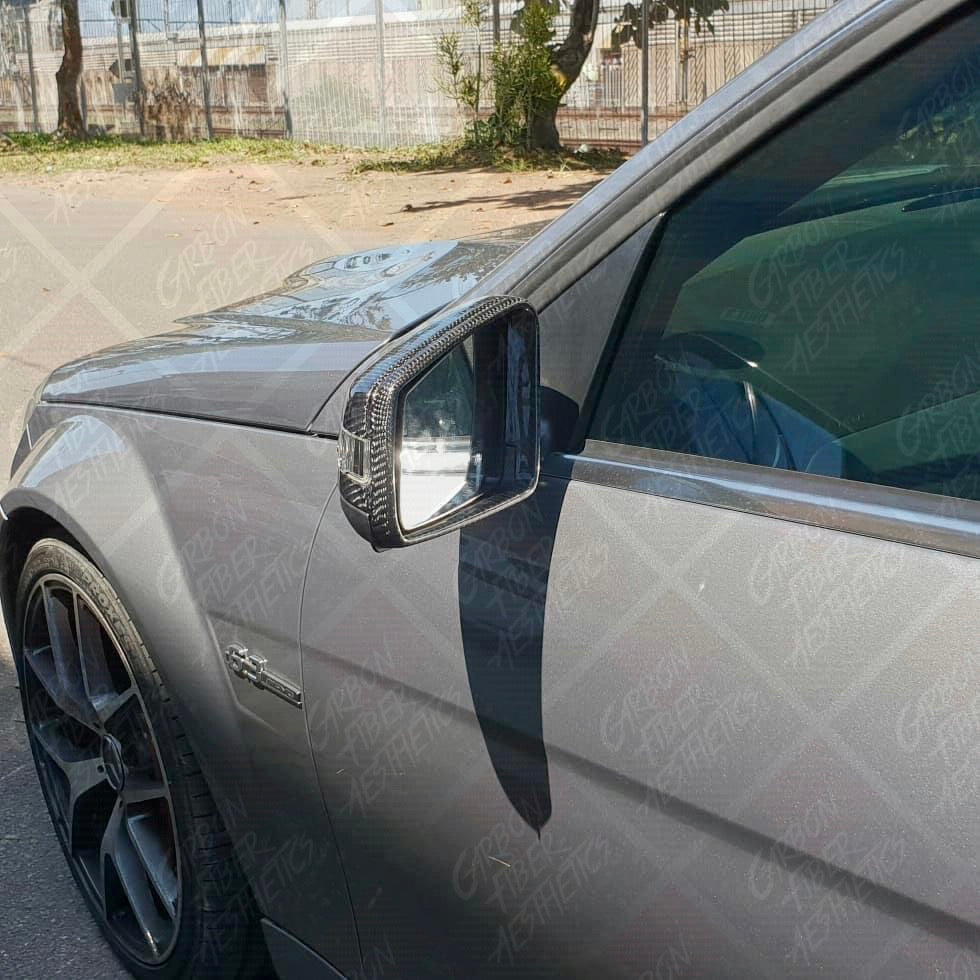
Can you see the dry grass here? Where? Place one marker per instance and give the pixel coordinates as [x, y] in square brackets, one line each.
[461, 155]
[28, 153]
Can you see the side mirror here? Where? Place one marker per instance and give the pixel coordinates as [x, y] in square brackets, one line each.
[442, 429]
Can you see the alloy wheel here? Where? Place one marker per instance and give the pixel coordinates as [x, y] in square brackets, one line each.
[100, 768]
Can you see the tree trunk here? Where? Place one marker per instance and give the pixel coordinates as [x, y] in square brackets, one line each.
[542, 131]
[69, 111]
[569, 56]
[567, 60]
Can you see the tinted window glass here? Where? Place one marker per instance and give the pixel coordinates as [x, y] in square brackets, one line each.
[818, 307]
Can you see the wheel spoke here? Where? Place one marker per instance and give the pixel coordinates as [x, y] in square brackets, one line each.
[56, 665]
[141, 789]
[107, 852]
[155, 858]
[91, 652]
[60, 629]
[108, 705]
[82, 770]
[69, 698]
[119, 853]
[84, 775]
[80, 767]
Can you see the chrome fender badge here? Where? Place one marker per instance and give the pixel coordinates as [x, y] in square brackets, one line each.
[253, 668]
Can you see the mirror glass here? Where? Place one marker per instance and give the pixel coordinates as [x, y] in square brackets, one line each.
[439, 468]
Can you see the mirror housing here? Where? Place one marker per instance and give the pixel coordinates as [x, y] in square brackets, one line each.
[415, 461]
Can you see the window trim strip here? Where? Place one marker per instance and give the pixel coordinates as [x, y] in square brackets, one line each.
[924, 520]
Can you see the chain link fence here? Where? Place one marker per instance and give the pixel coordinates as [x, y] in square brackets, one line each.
[349, 72]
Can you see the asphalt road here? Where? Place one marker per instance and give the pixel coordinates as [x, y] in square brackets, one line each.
[77, 273]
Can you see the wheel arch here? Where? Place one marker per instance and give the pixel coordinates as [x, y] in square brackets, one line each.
[85, 483]
[18, 534]
[87, 498]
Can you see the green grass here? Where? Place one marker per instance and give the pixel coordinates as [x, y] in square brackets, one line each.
[29, 153]
[459, 155]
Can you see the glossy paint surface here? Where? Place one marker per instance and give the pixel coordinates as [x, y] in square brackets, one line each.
[275, 359]
[266, 375]
[605, 729]
[386, 289]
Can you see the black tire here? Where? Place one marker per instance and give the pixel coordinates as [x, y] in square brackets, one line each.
[212, 926]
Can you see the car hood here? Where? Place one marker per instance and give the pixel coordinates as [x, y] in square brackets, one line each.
[275, 359]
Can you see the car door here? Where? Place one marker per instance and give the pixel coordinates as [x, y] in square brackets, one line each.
[705, 704]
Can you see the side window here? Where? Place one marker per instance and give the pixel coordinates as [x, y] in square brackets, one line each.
[817, 307]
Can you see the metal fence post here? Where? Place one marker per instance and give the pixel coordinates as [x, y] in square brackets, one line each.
[645, 75]
[379, 18]
[83, 102]
[685, 93]
[120, 53]
[134, 50]
[30, 67]
[205, 74]
[284, 69]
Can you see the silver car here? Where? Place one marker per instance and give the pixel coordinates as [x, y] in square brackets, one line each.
[597, 601]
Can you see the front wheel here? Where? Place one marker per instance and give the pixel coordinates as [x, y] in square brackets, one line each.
[130, 806]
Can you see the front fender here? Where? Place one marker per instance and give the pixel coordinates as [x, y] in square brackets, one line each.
[86, 477]
[136, 491]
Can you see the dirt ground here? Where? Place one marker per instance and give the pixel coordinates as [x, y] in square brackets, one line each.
[380, 206]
